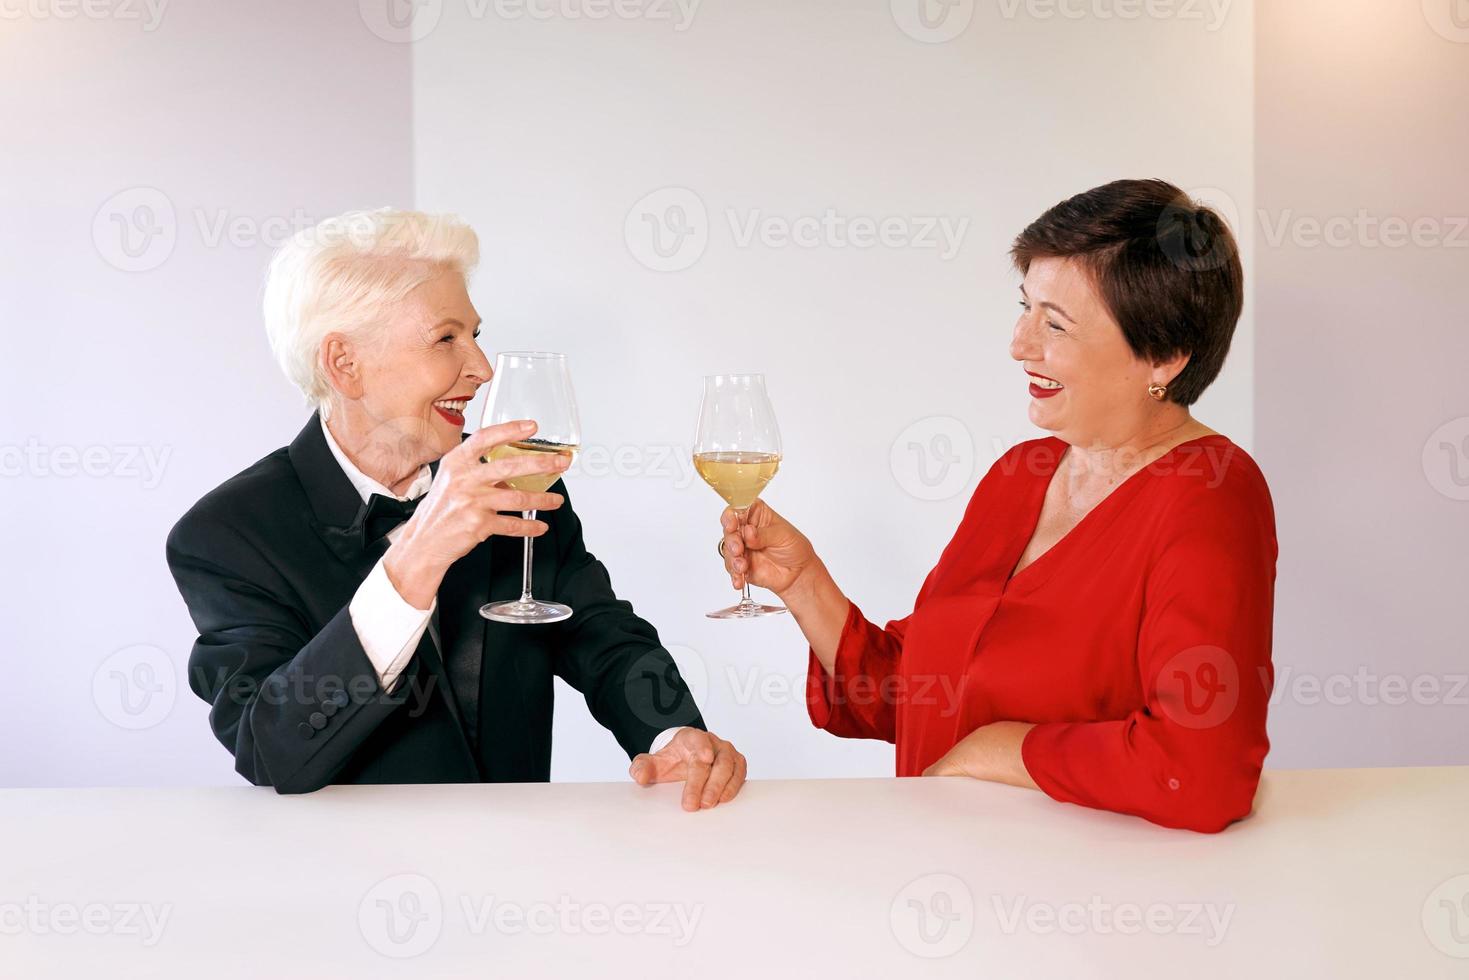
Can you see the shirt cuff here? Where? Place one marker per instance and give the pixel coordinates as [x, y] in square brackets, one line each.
[388, 627]
[663, 738]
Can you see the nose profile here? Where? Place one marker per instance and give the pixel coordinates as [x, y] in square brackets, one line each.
[478, 367]
[1022, 342]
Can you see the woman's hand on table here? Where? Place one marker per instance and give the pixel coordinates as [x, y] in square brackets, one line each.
[991, 752]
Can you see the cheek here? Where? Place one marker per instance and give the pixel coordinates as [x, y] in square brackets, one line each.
[433, 378]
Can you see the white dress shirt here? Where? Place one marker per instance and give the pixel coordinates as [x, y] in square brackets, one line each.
[388, 626]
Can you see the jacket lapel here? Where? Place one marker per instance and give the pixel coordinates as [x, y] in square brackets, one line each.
[337, 513]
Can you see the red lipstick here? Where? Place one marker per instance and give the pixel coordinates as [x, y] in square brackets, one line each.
[1036, 391]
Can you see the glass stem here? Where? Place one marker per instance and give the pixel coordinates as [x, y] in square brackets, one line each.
[745, 599]
[525, 595]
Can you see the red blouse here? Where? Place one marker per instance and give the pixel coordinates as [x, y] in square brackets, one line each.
[1139, 643]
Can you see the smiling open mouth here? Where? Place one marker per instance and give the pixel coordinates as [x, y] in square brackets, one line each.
[452, 410]
[1042, 386]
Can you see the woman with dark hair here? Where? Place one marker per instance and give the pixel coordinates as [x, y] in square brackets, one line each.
[1099, 626]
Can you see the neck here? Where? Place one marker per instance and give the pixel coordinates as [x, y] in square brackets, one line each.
[1110, 462]
[383, 460]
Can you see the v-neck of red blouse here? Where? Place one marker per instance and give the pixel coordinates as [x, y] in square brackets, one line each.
[1092, 523]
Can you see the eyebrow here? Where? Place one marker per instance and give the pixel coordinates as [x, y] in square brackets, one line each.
[1048, 306]
[452, 321]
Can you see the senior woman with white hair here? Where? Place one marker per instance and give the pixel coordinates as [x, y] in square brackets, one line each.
[336, 582]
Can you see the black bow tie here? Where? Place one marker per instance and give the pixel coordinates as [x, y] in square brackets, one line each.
[385, 513]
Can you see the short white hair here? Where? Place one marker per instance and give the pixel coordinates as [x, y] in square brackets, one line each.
[345, 273]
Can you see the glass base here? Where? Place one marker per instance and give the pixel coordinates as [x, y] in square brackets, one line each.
[746, 609]
[525, 611]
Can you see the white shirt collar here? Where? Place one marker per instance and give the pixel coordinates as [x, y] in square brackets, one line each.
[366, 486]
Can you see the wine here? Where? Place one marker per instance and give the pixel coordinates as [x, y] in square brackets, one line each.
[531, 385]
[532, 482]
[738, 477]
[737, 451]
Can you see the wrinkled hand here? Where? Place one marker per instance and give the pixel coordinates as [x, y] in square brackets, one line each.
[463, 506]
[989, 752]
[712, 769]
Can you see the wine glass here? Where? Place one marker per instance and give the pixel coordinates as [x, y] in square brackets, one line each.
[737, 451]
[532, 385]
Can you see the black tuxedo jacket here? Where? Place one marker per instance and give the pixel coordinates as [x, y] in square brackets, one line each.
[268, 563]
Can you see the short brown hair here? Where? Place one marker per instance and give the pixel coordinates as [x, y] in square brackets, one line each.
[1167, 268]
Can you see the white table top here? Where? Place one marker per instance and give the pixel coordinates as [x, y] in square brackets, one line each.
[1345, 873]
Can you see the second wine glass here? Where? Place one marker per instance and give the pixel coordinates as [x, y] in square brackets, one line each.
[532, 385]
[737, 452]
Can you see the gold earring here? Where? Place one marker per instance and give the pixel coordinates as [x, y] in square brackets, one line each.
[1157, 391]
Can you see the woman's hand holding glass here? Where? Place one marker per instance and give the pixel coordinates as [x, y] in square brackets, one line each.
[767, 552]
[462, 508]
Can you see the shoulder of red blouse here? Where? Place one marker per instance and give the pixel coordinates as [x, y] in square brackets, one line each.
[1212, 487]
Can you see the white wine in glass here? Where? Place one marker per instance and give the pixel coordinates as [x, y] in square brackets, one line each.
[737, 452]
[532, 385]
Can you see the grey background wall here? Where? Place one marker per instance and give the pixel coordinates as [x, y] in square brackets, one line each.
[147, 169]
[668, 196]
[582, 148]
[1362, 375]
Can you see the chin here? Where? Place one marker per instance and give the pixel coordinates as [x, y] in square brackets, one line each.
[1041, 418]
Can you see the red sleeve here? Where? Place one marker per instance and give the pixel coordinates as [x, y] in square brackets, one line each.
[856, 702]
[1190, 755]
[860, 701]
